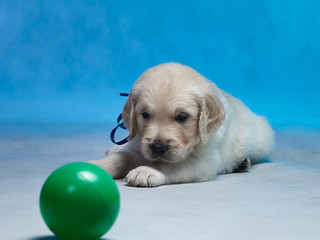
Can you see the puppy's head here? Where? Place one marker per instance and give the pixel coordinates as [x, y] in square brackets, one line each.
[172, 109]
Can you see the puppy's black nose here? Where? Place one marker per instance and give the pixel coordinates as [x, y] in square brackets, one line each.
[158, 148]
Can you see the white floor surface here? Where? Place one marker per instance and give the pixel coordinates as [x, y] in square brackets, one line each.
[277, 199]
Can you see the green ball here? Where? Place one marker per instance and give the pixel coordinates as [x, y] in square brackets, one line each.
[79, 201]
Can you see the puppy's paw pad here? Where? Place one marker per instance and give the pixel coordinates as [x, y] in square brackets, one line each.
[243, 166]
[145, 177]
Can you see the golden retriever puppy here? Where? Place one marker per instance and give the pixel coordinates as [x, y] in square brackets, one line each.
[184, 129]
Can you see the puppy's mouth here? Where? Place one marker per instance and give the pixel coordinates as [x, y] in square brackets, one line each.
[163, 159]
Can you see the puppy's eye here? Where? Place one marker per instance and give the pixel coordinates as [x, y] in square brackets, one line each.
[145, 115]
[182, 117]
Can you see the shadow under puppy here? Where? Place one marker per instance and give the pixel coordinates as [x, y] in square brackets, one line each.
[184, 129]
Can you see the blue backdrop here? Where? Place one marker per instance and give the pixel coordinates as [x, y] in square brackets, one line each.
[68, 60]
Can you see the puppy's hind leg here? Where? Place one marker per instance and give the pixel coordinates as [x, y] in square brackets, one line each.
[243, 166]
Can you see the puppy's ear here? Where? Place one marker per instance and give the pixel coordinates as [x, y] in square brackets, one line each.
[129, 116]
[211, 115]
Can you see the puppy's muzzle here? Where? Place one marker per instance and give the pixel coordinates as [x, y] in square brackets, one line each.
[158, 148]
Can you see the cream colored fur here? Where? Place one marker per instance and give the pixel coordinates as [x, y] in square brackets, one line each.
[216, 133]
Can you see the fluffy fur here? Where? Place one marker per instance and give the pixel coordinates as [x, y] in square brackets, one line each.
[184, 129]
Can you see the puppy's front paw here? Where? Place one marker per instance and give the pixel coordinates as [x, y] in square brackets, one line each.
[114, 165]
[145, 177]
